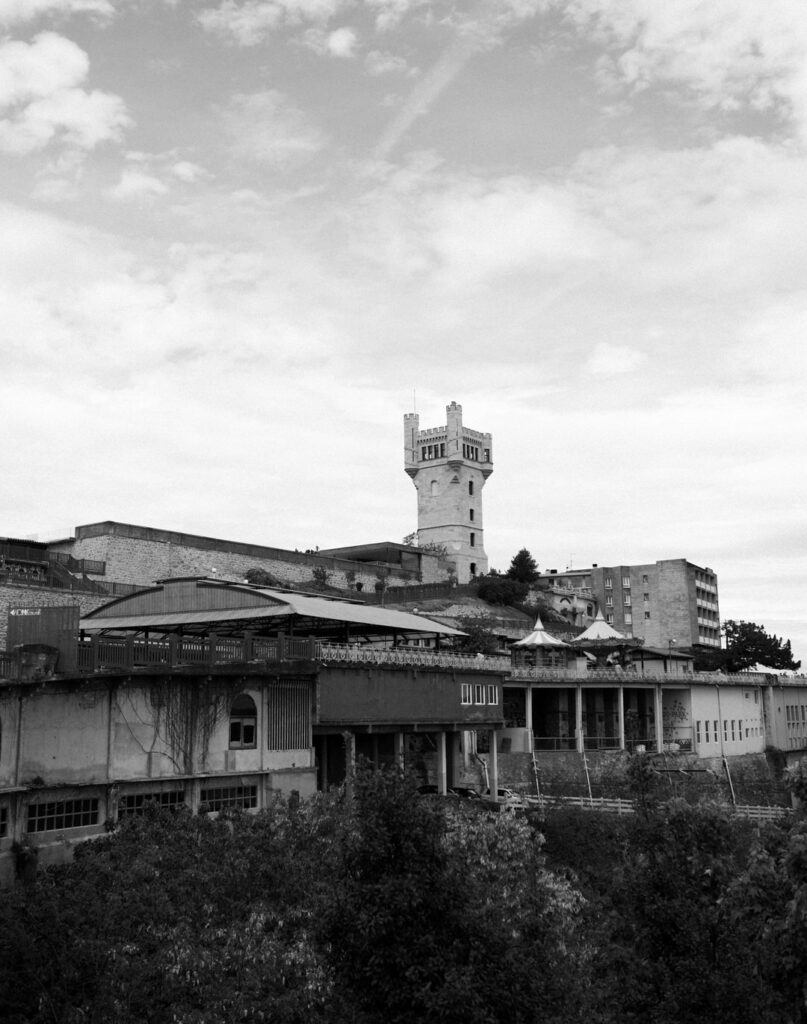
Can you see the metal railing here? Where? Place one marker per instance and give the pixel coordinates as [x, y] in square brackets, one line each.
[531, 673]
[410, 657]
[109, 654]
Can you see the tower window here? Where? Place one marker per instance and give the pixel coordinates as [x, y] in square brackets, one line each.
[470, 487]
[473, 568]
[471, 514]
[473, 539]
[434, 488]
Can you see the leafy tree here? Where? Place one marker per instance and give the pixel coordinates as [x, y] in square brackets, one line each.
[523, 567]
[748, 644]
[479, 639]
[502, 590]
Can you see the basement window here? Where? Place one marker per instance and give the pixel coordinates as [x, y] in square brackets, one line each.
[223, 797]
[60, 814]
[243, 722]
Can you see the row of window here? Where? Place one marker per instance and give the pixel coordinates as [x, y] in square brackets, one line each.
[479, 693]
[732, 730]
[792, 715]
[432, 451]
[57, 815]
[471, 452]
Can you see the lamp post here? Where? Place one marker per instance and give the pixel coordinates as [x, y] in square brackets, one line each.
[670, 645]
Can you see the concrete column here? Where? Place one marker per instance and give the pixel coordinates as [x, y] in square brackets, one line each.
[493, 763]
[578, 719]
[442, 778]
[621, 717]
[659, 720]
[350, 763]
[528, 715]
[400, 759]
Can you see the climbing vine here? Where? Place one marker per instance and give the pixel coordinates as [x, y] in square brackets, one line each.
[186, 713]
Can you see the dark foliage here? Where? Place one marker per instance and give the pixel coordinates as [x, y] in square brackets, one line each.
[523, 568]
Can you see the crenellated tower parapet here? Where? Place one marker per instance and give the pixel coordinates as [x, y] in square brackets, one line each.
[449, 466]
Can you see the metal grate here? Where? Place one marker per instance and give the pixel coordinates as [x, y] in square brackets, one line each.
[135, 803]
[289, 715]
[230, 796]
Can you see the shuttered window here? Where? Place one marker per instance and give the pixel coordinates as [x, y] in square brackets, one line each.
[288, 715]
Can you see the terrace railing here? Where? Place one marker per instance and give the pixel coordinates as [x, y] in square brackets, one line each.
[534, 674]
[414, 657]
[100, 654]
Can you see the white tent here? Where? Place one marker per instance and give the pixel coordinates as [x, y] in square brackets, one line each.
[600, 631]
[539, 638]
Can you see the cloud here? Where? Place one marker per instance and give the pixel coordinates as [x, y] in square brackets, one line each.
[40, 98]
[381, 62]
[611, 360]
[250, 23]
[392, 12]
[137, 184]
[267, 128]
[340, 43]
[729, 55]
[13, 12]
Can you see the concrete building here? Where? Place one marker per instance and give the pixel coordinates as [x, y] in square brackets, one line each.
[664, 602]
[449, 466]
[218, 695]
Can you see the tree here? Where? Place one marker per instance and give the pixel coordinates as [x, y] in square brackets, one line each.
[479, 638]
[748, 644]
[496, 589]
[523, 568]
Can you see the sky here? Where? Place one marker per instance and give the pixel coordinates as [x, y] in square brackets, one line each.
[242, 238]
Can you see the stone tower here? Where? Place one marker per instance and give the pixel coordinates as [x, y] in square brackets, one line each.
[449, 466]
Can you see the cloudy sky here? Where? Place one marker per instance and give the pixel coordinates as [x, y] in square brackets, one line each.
[241, 238]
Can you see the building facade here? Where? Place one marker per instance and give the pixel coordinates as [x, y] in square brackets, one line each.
[449, 466]
[671, 601]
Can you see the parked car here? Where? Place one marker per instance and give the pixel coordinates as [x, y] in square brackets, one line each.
[505, 796]
[464, 793]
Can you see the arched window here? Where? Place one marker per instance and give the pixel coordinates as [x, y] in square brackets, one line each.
[243, 722]
[435, 488]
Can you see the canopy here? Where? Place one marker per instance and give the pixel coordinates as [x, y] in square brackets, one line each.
[539, 638]
[602, 634]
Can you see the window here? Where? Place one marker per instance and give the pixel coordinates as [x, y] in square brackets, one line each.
[646, 598]
[645, 579]
[487, 454]
[493, 696]
[725, 730]
[470, 487]
[628, 618]
[732, 730]
[473, 540]
[435, 488]
[62, 814]
[442, 450]
[471, 514]
[288, 715]
[716, 733]
[608, 583]
[243, 722]
[3, 821]
[465, 693]
[609, 600]
[706, 730]
[698, 732]
[221, 797]
[626, 599]
[473, 568]
[609, 617]
[647, 615]
[626, 582]
[479, 693]
[135, 803]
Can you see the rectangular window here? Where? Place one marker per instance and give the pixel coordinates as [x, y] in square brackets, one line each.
[134, 803]
[740, 729]
[3, 821]
[645, 579]
[423, 454]
[493, 694]
[431, 451]
[732, 731]
[466, 695]
[698, 732]
[626, 582]
[626, 599]
[59, 814]
[219, 797]
[242, 732]
[608, 583]
[647, 615]
[725, 730]
[628, 618]
[609, 617]
[479, 693]
[706, 731]
[473, 539]
[442, 450]
[609, 600]
[716, 733]
[487, 454]
[646, 598]
[471, 514]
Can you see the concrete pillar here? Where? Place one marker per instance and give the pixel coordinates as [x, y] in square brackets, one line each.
[442, 778]
[493, 763]
[528, 716]
[350, 763]
[659, 720]
[621, 717]
[400, 760]
[578, 719]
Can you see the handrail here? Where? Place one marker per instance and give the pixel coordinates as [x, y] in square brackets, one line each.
[411, 657]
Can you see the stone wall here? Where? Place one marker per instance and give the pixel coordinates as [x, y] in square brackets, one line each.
[141, 555]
